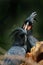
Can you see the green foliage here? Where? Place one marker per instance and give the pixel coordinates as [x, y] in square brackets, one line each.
[2, 51]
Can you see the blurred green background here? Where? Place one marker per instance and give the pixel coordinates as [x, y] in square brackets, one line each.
[12, 15]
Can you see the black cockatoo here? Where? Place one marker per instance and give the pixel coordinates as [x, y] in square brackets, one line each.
[22, 43]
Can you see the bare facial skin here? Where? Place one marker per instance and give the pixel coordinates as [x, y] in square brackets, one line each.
[27, 27]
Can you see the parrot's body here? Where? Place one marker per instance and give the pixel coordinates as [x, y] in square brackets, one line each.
[20, 47]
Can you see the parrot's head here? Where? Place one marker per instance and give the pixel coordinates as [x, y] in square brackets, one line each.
[29, 21]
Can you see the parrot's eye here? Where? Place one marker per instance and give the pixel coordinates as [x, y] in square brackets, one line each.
[30, 23]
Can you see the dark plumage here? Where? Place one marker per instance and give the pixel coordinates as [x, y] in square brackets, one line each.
[20, 47]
